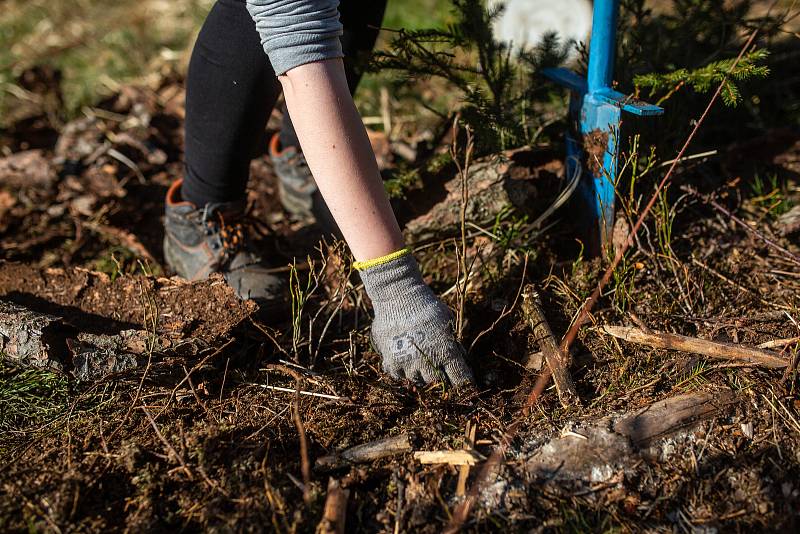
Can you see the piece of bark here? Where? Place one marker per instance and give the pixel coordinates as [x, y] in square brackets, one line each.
[594, 452]
[366, 452]
[712, 349]
[462, 457]
[556, 359]
[334, 514]
[645, 426]
[98, 356]
[30, 338]
[494, 185]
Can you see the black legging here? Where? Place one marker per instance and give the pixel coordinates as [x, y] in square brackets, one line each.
[231, 90]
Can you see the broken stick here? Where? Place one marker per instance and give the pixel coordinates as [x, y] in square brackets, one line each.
[556, 359]
[463, 471]
[712, 349]
[367, 452]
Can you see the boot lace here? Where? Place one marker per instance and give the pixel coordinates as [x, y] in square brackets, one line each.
[231, 235]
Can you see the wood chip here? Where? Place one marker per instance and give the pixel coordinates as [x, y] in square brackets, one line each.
[463, 471]
[779, 343]
[462, 457]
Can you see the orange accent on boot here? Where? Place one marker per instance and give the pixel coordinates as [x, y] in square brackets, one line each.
[274, 146]
[174, 194]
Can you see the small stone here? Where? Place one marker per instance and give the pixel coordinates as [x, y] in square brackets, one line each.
[56, 210]
[747, 429]
[535, 361]
[84, 205]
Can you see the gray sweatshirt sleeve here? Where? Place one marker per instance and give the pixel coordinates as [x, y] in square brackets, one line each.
[296, 32]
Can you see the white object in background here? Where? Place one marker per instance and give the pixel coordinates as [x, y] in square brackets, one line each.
[525, 22]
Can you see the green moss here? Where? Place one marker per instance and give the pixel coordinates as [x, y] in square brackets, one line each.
[30, 397]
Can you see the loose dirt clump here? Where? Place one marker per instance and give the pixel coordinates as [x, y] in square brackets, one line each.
[96, 302]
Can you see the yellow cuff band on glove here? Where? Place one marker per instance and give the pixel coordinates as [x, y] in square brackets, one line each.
[361, 265]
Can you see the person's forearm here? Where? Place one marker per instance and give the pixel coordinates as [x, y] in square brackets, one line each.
[339, 154]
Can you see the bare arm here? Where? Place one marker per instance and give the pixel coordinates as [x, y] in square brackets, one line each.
[339, 154]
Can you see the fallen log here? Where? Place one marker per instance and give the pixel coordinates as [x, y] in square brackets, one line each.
[712, 349]
[367, 452]
[594, 452]
[556, 359]
[495, 185]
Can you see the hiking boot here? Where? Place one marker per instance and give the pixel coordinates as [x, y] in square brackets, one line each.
[199, 241]
[297, 189]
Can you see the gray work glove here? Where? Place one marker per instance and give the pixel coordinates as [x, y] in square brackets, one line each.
[412, 329]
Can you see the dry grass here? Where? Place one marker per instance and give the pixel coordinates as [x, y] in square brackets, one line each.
[97, 44]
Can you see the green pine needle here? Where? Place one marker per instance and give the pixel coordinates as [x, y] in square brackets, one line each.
[707, 77]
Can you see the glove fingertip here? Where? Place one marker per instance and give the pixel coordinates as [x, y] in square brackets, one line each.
[418, 378]
[458, 373]
[393, 371]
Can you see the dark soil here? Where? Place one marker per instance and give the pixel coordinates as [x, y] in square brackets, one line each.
[203, 441]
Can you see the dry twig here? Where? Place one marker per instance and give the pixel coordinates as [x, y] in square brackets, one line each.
[367, 452]
[712, 349]
[463, 172]
[167, 444]
[305, 464]
[778, 343]
[303, 392]
[557, 360]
